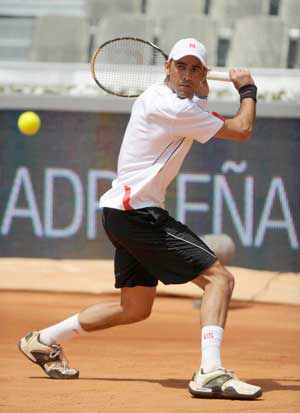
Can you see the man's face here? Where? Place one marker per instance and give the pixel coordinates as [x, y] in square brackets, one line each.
[184, 75]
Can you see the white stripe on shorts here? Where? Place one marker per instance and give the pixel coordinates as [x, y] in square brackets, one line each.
[198, 246]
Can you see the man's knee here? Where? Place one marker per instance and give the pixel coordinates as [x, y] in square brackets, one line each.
[135, 315]
[228, 279]
[217, 275]
[224, 279]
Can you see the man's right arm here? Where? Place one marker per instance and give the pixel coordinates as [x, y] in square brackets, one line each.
[240, 127]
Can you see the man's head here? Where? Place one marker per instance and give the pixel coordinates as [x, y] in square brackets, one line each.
[186, 67]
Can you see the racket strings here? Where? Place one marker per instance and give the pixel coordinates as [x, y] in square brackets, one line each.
[128, 67]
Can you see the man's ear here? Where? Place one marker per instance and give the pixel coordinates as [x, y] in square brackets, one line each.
[167, 67]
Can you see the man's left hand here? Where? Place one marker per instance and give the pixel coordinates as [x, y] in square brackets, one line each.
[203, 88]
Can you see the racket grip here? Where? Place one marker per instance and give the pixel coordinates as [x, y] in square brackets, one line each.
[220, 76]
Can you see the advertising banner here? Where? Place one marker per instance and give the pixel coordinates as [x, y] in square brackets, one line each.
[51, 182]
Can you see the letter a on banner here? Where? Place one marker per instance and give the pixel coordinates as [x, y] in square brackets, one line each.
[22, 181]
[287, 223]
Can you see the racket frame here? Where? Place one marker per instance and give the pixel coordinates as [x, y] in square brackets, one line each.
[98, 50]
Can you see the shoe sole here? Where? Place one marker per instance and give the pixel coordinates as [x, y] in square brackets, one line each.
[222, 395]
[51, 377]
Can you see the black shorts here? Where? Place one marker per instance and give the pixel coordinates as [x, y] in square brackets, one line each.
[151, 246]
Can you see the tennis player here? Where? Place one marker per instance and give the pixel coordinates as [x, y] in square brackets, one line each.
[150, 245]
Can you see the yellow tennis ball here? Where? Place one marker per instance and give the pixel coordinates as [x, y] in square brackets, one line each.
[29, 123]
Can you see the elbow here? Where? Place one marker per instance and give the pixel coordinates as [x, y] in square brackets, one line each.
[246, 134]
[246, 127]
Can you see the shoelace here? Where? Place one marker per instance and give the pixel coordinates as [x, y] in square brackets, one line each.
[228, 371]
[58, 351]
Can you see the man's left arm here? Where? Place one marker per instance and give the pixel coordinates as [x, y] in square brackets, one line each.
[240, 127]
[201, 93]
[202, 90]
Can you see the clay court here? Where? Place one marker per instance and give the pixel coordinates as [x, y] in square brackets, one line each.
[146, 367]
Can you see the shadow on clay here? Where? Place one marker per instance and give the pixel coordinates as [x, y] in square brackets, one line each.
[267, 385]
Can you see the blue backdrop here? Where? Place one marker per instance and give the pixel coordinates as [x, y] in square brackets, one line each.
[50, 184]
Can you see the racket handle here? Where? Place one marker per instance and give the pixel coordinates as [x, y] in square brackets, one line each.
[220, 76]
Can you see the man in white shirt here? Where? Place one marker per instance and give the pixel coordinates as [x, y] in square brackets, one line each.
[150, 245]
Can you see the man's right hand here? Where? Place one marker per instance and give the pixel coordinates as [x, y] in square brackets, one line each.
[241, 77]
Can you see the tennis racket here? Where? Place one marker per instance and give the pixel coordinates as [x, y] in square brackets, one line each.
[127, 66]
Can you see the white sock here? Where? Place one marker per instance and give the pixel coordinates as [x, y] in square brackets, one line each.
[211, 339]
[62, 331]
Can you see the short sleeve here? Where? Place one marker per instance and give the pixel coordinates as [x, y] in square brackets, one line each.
[193, 121]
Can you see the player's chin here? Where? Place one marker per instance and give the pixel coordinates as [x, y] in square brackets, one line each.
[185, 92]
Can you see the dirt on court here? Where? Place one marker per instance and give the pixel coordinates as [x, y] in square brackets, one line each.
[146, 367]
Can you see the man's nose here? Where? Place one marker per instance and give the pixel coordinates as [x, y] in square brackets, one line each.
[187, 73]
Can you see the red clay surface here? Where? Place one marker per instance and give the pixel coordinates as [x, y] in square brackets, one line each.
[146, 367]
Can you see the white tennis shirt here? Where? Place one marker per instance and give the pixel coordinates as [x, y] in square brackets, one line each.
[159, 134]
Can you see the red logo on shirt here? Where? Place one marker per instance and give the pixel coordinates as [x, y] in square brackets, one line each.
[126, 198]
[217, 115]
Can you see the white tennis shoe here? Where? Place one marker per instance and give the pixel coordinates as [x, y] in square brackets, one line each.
[222, 383]
[50, 358]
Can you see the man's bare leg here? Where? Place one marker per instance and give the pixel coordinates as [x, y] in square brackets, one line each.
[43, 347]
[217, 283]
[135, 305]
[212, 380]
